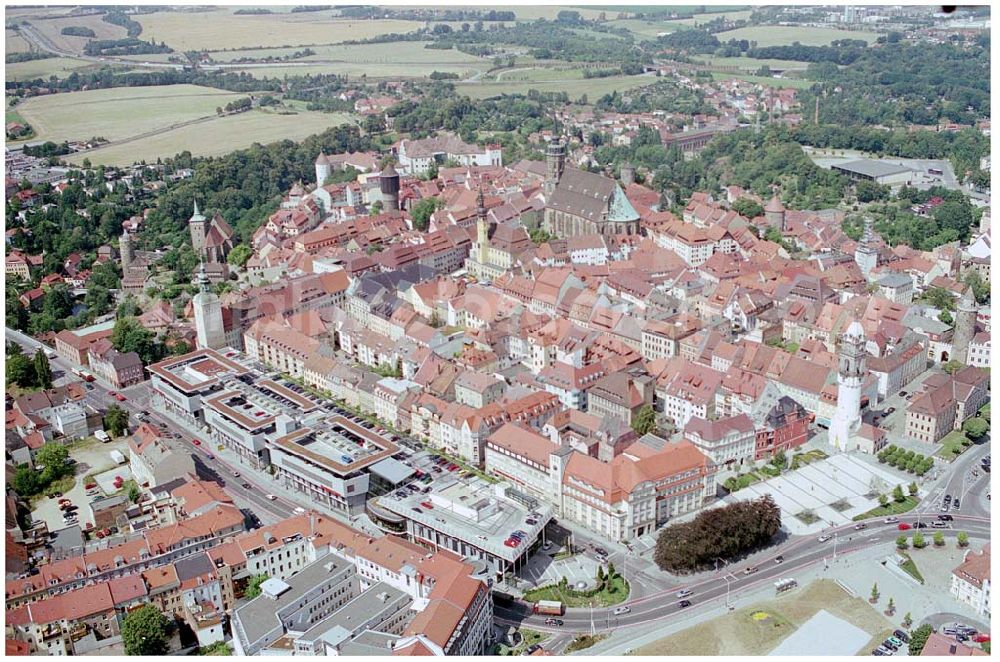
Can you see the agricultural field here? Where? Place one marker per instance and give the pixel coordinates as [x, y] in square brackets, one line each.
[52, 66]
[216, 136]
[592, 87]
[785, 35]
[756, 630]
[797, 83]
[14, 42]
[753, 64]
[373, 60]
[52, 28]
[644, 29]
[119, 112]
[699, 19]
[221, 29]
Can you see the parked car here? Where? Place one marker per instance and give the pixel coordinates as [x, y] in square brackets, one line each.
[957, 504]
[902, 636]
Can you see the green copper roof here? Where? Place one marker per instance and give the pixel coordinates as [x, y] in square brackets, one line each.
[621, 209]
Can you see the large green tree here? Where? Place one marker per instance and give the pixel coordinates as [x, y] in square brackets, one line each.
[239, 255]
[975, 427]
[129, 335]
[146, 631]
[116, 421]
[645, 420]
[20, 369]
[918, 639]
[253, 586]
[421, 212]
[43, 372]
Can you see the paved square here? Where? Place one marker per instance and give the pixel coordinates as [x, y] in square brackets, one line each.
[823, 634]
[843, 478]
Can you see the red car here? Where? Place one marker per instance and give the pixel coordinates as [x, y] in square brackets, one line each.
[106, 532]
[427, 504]
[981, 638]
[90, 486]
[903, 526]
[112, 394]
[99, 534]
[120, 398]
[196, 442]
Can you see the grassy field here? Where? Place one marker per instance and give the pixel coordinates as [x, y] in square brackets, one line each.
[892, 508]
[572, 598]
[952, 445]
[216, 136]
[699, 19]
[741, 633]
[52, 28]
[592, 87]
[53, 66]
[752, 64]
[646, 29]
[119, 112]
[796, 83]
[408, 59]
[221, 29]
[15, 43]
[783, 35]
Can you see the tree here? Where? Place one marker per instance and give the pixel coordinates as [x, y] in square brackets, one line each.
[952, 366]
[128, 307]
[975, 427]
[25, 481]
[945, 318]
[780, 460]
[20, 369]
[875, 593]
[727, 532]
[422, 211]
[146, 632]
[963, 539]
[376, 208]
[939, 297]
[600, 574]
[897, 494]
[747, 207]
[938, 539]
[612, 573]
[54, 456]
[883, 500]
[907, 620]
[239, 255]
[913, 489]
[891, 607]
[902, 542]
[43, 372]
[253, 586]
[645, 420]
[134, 493]
[918, 639]
[918, 540]
[116, 421]
[129, 335]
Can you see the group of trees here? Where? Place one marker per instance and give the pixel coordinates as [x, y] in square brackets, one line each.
[27, 372]
[51, 464]
[128, 46]
[723, 533]
[422, 211]
[912, 462]
[77, 31]
[645, 420]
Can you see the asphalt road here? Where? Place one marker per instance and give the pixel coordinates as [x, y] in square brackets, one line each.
[712, 588]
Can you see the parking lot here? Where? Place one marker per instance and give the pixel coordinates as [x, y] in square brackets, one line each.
[92, 457]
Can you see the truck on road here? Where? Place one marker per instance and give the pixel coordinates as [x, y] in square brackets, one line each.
[549, 608]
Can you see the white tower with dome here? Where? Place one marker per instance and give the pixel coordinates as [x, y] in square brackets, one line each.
[851, 373]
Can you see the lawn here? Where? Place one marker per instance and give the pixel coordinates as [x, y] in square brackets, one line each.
[216, 136]
[698, 19]
[756, 630]
[795, 83]
[646, 29]
[221, 29]
[528, 638]
[592, 87]
[572, 598]
[52, 66]
[802, 459]
[584, 641]
[753, 64]
[952, 445]
[785, 35]
[371, 70]
[892, 508]
[910, 568]
[743, 480]
[119, 112]
[405, 52]
[985, 411]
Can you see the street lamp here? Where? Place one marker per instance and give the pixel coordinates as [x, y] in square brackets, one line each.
[729, 606]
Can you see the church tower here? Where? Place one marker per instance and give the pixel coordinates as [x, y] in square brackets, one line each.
[388, 181]
[851, 373]
[965, 327]
[198, 225]
[125, 250]
[208, 315]
[482, 229]
[555, 161]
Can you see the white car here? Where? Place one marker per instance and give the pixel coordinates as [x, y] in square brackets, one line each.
[621, 610]
[299, 510]
[684, 593]
[270, 497]
[824, 538]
